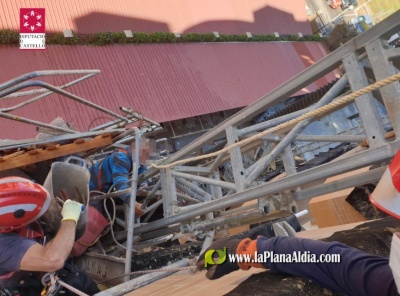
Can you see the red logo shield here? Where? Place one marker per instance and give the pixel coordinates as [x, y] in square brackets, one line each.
[32, 20]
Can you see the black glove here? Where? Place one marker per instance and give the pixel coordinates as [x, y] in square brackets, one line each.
[215, 269]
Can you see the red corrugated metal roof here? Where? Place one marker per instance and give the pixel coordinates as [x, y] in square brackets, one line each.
[184, 16]
[163, 81]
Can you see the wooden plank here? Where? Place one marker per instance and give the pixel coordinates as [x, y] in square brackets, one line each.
[15, 154]
[55, 151]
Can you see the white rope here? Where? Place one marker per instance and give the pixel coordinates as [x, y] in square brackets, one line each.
[340, 102]
[72, 289]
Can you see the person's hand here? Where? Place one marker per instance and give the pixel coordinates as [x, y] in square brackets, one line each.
[217, 262]
[138, 210]
[242, 243]
[71, 210]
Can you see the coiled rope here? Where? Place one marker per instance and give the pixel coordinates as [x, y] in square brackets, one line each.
[339, 102]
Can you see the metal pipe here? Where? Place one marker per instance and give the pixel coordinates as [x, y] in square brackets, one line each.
[44, 73]
[371, 176]
[138, 115]
[390, 26]
[32, 92]
[187, 198]
[254, 165]
[34, 122]
[149, 215]
[206, 195]
[272, 122]
[132, 203]
[249, 217]
[238, 210]
[359, 160]
[222, 184]
[392, 53]
[153, 206]
[188, 169]
[28, 142]
[301, 214]
[114, 123]
[217, 161]
[144, 280]
[190, 192]
[333, 138]
[61, 92]
[151, 194]
[263, 163]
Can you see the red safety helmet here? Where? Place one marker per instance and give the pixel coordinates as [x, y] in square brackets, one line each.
[21, 202]
[386, 195]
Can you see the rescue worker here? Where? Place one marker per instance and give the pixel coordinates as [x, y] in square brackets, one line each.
[24, 255]
[113, 171]
[358, 273]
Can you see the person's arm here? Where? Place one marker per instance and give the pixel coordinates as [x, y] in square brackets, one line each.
[358, 273]
[120, 166]
[52, 256]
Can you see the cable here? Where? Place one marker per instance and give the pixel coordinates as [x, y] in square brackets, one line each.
[112, 220]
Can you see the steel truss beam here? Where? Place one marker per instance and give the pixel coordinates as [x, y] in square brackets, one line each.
[359, 160]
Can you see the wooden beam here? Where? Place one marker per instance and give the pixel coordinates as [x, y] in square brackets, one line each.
[53, 151]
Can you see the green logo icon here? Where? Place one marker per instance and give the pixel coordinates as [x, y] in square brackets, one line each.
[209, 257]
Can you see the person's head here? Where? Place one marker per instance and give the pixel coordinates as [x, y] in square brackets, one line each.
[147, 149]
[21, 203]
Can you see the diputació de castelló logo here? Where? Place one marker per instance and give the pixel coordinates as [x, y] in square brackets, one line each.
[32, 28]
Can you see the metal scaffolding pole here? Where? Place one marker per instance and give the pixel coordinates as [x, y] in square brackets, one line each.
[366, 105]
[333, 138]
[189, 192]
[132, 202]
[194, 188]
[371, 176]
[61, 92]
[383, 68]
[44, 73]
[168, 192]
[236, 159]
[222, 184]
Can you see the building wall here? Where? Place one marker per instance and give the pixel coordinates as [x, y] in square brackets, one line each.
[184, 16]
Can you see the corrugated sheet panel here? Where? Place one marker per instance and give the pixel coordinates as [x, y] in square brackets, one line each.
[163, 81]
[184, 16]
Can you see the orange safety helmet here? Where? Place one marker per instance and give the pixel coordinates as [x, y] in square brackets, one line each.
[386, 196]
[21, 202]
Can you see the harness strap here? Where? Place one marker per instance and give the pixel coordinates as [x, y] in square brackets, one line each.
[99, 182]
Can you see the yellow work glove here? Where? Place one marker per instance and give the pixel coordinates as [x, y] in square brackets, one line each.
[71, 210]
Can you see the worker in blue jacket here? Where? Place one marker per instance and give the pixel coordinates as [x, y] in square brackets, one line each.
[113, 171]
